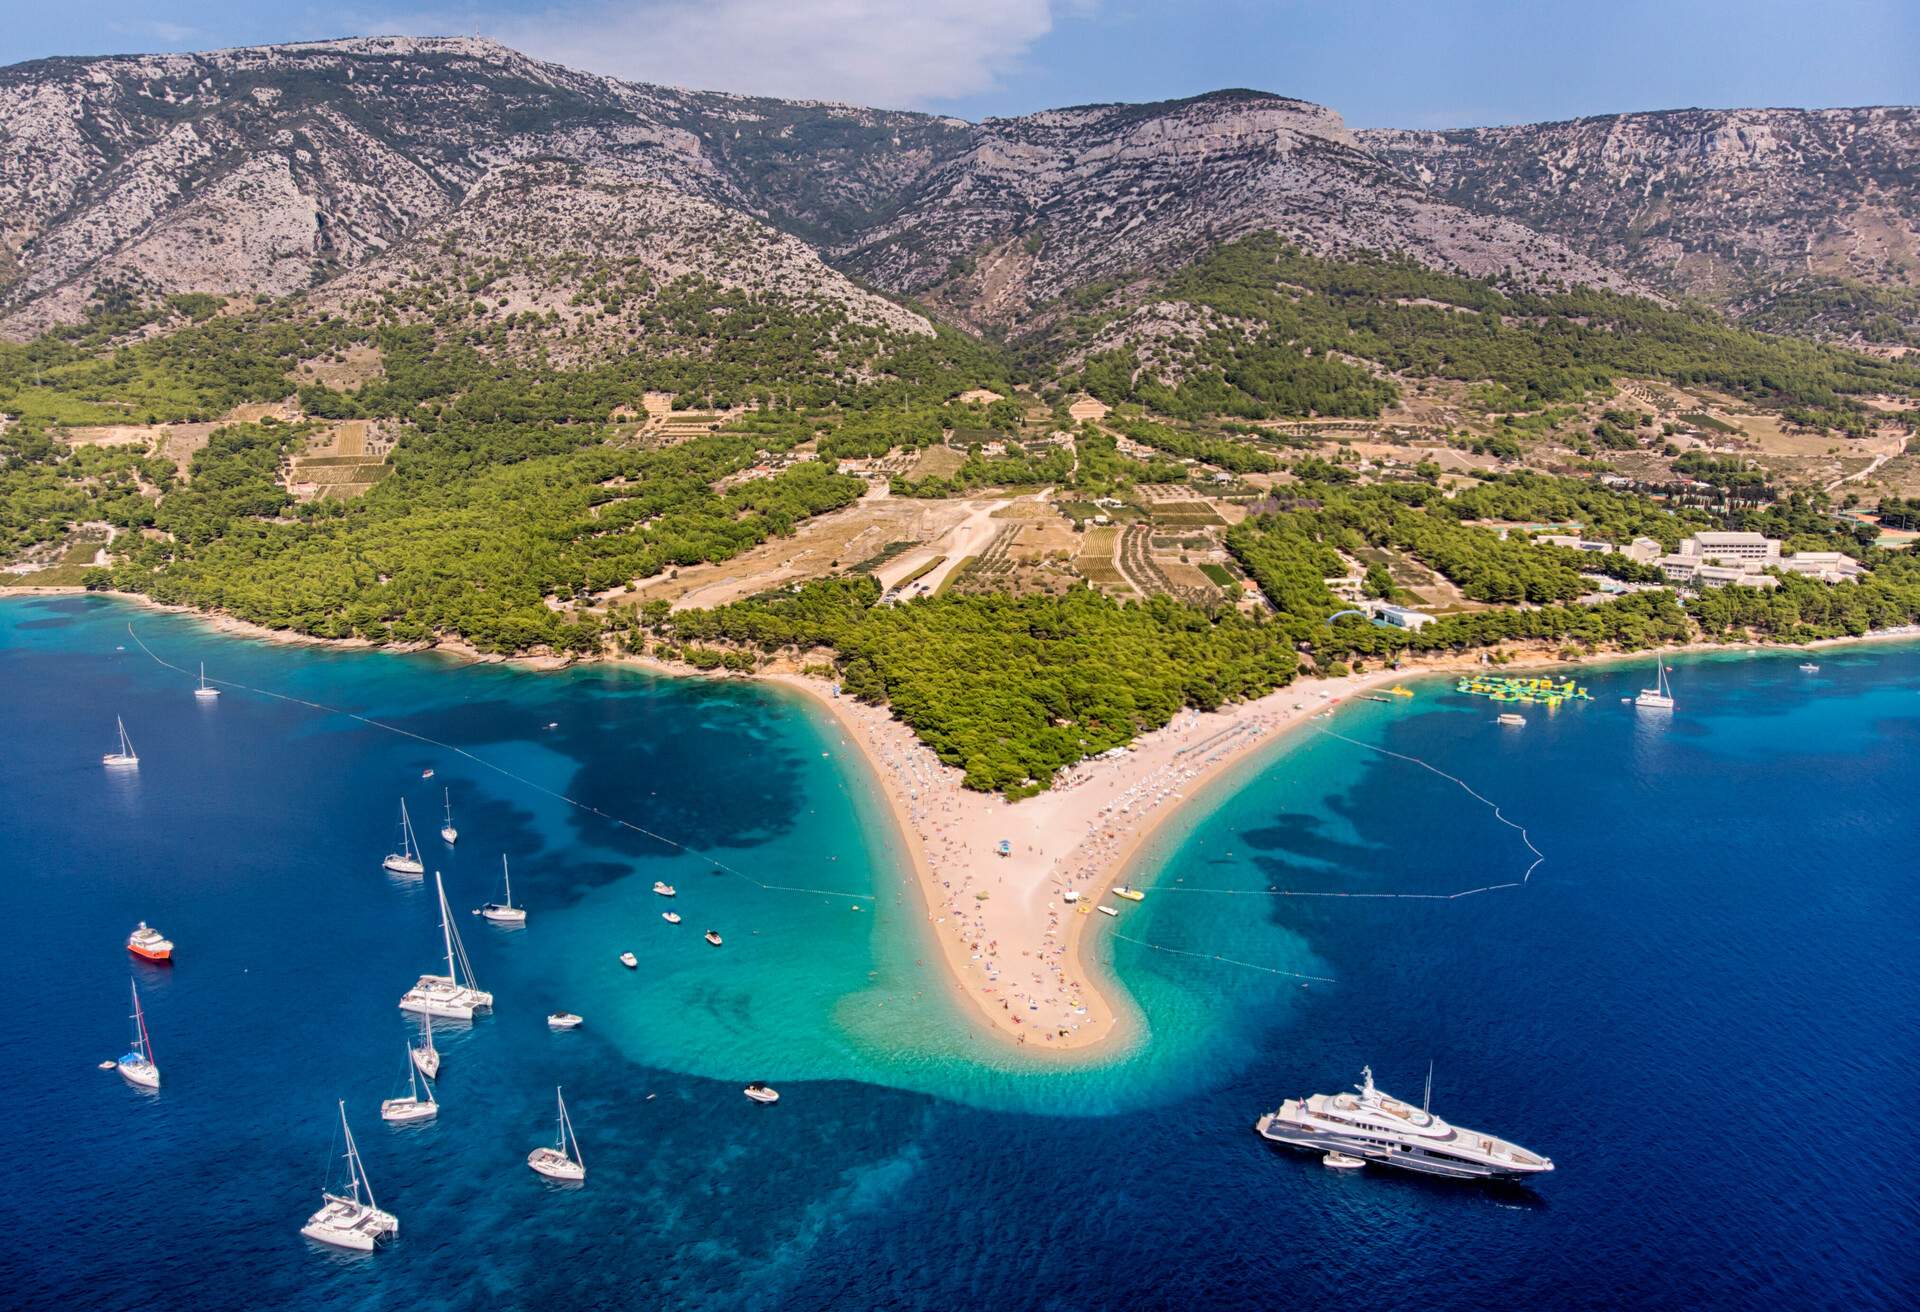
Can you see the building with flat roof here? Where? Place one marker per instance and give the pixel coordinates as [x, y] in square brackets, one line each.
[1731, 548]
[1400, 617]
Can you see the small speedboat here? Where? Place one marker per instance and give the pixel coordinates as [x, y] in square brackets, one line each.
[1130, 894]
[149, 944]
[671, 917]
[1106, 910]
[630, 961]
[713, 936]
[1342, 1162]
[1808, 667]
[663, 888]
[427, 773]
[759, 1092]
[1510, 718]
[563, 1020]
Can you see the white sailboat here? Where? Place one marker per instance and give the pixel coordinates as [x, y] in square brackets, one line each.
[1660, 696]
[407, 860]
[448, 834]
[426, 1057]
[444, 995]
[557, 1163]
[505, 913]
[205, 692]
[137, 1066]
[412, 1107]
[343, 1219]
[126, 756]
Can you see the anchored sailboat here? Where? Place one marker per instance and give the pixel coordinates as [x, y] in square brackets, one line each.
[557, 1163]
[412, 1107]
[426, 1057]
[1660, 696]
[204, 691]
[126, 756]
[407, 860]
[444, 995]
[505, 913]
[343, 1219]
[448, 834]
[137, 1066]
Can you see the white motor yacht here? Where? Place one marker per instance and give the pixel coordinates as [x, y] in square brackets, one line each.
[1383, 1130]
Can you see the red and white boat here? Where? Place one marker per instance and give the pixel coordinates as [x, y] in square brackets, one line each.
[149, 944]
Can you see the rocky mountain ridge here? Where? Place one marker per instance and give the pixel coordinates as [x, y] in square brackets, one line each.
[274, 170]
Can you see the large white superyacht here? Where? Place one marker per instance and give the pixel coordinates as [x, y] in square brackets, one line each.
[1376, 1127]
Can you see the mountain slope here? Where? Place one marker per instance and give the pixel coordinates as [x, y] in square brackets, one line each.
[1733, 206]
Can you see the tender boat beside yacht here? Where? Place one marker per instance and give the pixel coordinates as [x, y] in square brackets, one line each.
[1375, 1127]
[562, 1161]
[149, 944]
[344, 1221]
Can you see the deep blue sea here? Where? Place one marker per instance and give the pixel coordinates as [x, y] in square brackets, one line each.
[1704, 1004]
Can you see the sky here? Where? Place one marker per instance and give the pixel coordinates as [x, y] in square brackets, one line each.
[1381, 63]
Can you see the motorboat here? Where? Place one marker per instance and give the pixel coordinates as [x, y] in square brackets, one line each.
[1511, 718]
[125, 757]
[563, 1020]
[345, 1220]
[1808, 667]
[713, 936]
[1342, 1162]
[138, 1065]
[763, 1093]
[412, 1107]
[663, 888]
[149, 944]
[206, 692]
[407, 860]
[671, 917]
[562, 1161]
[630, 961]
[1384, 1130]
[505, 913]
[446, 995]
[1130, 894]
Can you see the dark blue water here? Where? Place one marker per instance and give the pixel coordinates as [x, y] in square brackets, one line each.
[1704, 1006]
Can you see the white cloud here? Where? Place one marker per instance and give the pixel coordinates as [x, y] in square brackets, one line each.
[871, 52]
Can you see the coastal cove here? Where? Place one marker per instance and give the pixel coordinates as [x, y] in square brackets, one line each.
[1663, 951]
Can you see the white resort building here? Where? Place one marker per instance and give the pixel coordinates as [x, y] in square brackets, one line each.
[1712, 560]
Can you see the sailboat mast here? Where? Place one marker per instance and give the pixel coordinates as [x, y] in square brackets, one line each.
[356, 1170]
[508, 876]
[446, 926]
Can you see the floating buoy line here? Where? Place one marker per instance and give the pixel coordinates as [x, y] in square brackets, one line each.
[503, 772]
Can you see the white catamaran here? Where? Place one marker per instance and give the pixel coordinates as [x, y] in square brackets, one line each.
[343, 1219]
[412, 1107]
[205, 692]
[1660, 696]
[407, 860]
[426, 1057]
[505, 913]
[137, 1066]
[557, 1162]
[448, 834]
[445, 995]
[125, 756]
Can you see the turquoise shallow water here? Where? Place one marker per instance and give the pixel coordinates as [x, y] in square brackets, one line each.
[1720, 942]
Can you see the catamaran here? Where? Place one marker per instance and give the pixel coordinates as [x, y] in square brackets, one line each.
[557, 1163]
[444, 995]
[505, 913]
[448, 834]
[343, 1220]
[205, 691]
[137, 1066]
[412, 1107]
[126, 756]
[1660, 696]
[407, 860]
[426, 1057]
